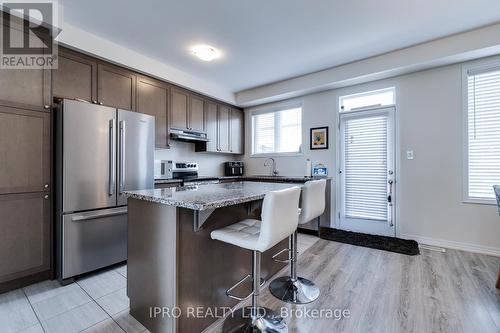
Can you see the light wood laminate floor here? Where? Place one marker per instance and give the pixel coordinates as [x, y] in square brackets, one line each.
[383, 291]
[388, 292]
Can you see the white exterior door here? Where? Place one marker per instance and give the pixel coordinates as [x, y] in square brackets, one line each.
[367, 171]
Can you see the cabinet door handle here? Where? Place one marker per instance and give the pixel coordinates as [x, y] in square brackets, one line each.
[46, 196]
[46, 107]
[46, 186]
[100, 103]
[95, 102]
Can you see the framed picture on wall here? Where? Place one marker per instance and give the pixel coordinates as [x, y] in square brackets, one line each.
[319, 138]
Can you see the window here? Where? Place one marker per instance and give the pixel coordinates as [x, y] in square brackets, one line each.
[368, 99]
[278, 131]
[483, 133]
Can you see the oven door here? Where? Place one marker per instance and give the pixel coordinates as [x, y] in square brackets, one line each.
[92, 240]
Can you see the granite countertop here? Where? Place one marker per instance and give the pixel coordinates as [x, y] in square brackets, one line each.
[284, 179]
[168, 181]
[201, 197]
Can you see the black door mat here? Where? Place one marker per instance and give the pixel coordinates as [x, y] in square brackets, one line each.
[392, 244]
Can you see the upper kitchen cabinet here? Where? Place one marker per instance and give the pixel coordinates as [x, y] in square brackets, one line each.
[152, 99]
[236, 131]
[196, 113]
[179, 108]
[211, 116]
[25, 150]
[75, 77]
[116, 87]
[223, 128]
[26, 88]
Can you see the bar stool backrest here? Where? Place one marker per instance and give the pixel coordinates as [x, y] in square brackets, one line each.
[496, 188]
[279, 217]
[312, 203]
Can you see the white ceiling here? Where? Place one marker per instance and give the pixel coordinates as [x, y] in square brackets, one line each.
[265, 41]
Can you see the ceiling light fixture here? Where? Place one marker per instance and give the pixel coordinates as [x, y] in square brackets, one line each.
[205, 52]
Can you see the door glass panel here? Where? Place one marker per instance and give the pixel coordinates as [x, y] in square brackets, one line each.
[365, 149]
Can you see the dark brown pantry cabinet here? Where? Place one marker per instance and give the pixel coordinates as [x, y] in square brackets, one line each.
[153, 98]
[25, 196]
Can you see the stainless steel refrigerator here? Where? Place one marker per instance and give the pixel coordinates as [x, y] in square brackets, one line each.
[100, 152]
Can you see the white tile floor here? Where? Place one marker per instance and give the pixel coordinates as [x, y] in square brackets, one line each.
[96, 303]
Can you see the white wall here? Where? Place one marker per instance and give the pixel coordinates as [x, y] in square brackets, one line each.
[429, 113]
[209, 164]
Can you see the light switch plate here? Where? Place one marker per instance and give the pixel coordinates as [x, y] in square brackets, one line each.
[409, 154]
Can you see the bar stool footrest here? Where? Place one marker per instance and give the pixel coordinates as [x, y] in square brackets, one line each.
[284, 261]
[238, 298]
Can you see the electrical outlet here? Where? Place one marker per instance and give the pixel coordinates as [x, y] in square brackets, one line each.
[409, 154]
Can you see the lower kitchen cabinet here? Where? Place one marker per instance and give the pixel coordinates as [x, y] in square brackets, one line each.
[25, 240]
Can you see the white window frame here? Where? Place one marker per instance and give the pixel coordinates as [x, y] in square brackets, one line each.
[272, 110]
[367, 93]
[475, 66]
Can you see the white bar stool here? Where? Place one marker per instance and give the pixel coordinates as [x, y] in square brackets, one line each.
[279, 219]
[293, 289]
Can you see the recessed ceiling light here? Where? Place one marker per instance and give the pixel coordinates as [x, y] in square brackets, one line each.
[205, 52]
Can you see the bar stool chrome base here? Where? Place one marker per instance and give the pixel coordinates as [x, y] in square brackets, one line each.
[298, 291]
[267, 321]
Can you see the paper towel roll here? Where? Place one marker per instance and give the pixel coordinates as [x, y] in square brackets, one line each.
[308, 168]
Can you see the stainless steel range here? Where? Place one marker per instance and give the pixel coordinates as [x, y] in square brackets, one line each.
[187, 171]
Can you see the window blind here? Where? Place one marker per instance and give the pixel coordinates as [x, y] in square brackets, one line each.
[365, 169]
[483, 95]
[277, 131]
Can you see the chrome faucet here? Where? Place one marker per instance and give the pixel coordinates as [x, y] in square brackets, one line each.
[272, 171]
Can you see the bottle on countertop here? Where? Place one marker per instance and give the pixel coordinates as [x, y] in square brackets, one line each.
[308, 170]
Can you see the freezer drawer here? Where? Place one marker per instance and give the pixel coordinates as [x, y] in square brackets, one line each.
[93, 240]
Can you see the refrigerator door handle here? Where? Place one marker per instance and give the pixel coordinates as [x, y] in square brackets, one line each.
[112, 158]
[122, 155]
[93, 216]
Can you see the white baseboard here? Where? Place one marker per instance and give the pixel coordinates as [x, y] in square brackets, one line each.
[493, 251]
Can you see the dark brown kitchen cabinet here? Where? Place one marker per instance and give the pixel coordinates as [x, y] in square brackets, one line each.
[116, 87]
[223, 129]
[211, 116]
[25, 240]
[24, 151]
[152, 99]
[26, 88]
[196, 113]
[179, 108]
[75, 76]
[236, 131]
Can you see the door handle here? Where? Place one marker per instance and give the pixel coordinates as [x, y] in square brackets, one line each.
[122, 155]
[112, 157]
[93, 216]
[389, 202]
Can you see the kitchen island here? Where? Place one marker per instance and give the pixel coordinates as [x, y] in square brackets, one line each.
[177, 275]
